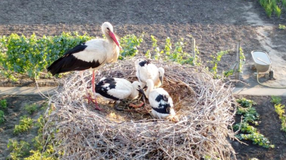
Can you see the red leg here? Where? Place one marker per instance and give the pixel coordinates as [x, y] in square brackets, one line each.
[136, 106]
[93, 90]
[89, 97]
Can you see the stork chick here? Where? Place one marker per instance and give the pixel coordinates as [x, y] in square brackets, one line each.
[146, 70]
[118, 89]
[160, 101]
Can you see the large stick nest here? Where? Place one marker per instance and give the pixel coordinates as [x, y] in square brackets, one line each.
[204, 108]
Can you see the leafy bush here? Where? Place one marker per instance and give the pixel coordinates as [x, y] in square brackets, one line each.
[24, 125]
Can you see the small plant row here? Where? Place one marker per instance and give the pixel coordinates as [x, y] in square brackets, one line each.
[31, 55]
[273, 6]
[250, 118]
[37, 148]
[280, 110]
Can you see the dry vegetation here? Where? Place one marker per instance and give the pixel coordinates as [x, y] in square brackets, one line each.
[202, 128]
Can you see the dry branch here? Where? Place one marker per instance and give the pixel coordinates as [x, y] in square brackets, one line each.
[204, 107]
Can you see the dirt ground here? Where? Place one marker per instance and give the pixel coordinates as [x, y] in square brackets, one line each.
[216, 25]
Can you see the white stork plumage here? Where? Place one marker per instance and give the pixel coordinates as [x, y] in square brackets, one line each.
[91, 54]
[146, 70]
[117, 89]
[160, 101]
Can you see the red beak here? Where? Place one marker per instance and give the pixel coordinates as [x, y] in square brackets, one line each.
[111, 34]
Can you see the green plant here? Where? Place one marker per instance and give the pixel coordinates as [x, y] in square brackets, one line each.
[271, 6]
[248, 132]
[281, 26]
[215, 61]
[130, 43]
[279, 109]
[18, 150]
[3, 104]
[275, 99]
[2, 118]
[170, 52]
[24, 125]
[245, 103]
[31, 55]
[257, 138]
[31, 108]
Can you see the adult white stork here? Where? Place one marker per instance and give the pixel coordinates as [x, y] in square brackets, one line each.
[118, 89]
[146, 70]
[160, 101]
[91, 54]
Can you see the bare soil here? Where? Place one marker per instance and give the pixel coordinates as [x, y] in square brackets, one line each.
[216, 25]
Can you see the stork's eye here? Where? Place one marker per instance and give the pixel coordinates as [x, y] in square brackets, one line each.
[108, 29]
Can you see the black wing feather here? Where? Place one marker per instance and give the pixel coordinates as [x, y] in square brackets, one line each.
[102, 90]
[68, 62]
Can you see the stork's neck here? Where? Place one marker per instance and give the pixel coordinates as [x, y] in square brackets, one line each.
[109, 39]
[113, 53]
[134, 93]
[150, 86]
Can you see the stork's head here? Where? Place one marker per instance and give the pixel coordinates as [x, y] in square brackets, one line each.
[107, 29]
[161, 74]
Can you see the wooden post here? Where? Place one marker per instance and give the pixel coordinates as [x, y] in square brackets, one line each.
[237, 61]
[194, 50]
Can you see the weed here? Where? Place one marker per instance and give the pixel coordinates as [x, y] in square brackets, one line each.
[24, 125]
[2, 117]
[276, 100]
[31, 108]
[18, 150]
[281, 26]
[3, 104]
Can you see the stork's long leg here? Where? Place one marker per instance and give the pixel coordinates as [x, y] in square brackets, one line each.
[93, 90]
[89, 97]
